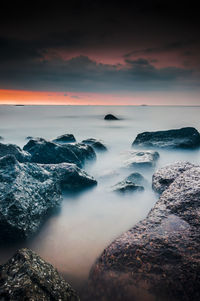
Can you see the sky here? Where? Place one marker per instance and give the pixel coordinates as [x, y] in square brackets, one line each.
[100, 53]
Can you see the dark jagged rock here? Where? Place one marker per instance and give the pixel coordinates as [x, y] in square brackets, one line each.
[96, 144]
[163, 177]
[47, 152]
[67, 138]
[187, 137]
[70, 176]
[142, 159]
[110, 117]
[127, 187]
[28, 191]
[26, 276]
[29, 137]
[158, 259]
[12, 149]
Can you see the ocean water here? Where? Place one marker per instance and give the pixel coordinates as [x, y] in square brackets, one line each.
[74, 236]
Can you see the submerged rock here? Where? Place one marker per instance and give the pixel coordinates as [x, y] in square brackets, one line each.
[187, 137]
[47, 152]
[28, 191]
[12, 149]
[26, 276]
[136, 178]
[163, 177]
[110, 117]
[67, 138]
[96, 144]
[1, 138]
[127, 186]
[158, 259]
[142, 159]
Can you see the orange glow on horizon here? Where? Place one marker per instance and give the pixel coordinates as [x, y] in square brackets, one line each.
[24, 97]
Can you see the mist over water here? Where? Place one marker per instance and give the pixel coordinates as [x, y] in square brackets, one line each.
[74, 236]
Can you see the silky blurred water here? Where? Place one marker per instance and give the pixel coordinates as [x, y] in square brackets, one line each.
[73, 237]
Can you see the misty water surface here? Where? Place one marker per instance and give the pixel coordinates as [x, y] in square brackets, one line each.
[87, 222]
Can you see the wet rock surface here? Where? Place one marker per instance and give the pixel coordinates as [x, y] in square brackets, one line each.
[136, 178]
[12, 149]
[142, 159]
[187, 137]
[163, 177]
[26, 276]
[28, 191]
[110, 117]
[47, 152]
[98, 145]
[159, 258]
[70, 176]
[66, 138]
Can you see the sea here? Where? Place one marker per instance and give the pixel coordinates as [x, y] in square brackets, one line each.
[73, 237]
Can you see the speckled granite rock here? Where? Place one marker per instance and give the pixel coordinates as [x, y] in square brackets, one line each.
[66, 138]
[159, 258]
[26, 276]
[163, 177]
[142, 159]
[47, 152]
[12, 149]
[187, 137]
[96, 144]
[28, 191]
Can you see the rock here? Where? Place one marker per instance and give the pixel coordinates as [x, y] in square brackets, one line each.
[67, 138]
[1, 138]
[110, 117]
[28, 191]
[127, 186]
[187, 137]
[158, 259]
[29, 137]
[142, 159]
[136, 178]
[47, 152]
[70, 176]
[26, 276]
[163, 177]
[96, 144]
[12, 149]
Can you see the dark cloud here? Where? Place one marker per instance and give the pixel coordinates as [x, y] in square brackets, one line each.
[33, 40]
[83, 74]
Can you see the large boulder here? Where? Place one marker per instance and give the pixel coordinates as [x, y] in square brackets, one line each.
[158, 259]
[28, 191]
[187, 137]
[163, 177]
[98, 145]
[66, 138]
[110, 117]
[26, 276]
[12, 149]
[47, 152]
[142, 159]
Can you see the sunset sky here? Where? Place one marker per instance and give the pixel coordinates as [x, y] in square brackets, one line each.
[93, 52]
